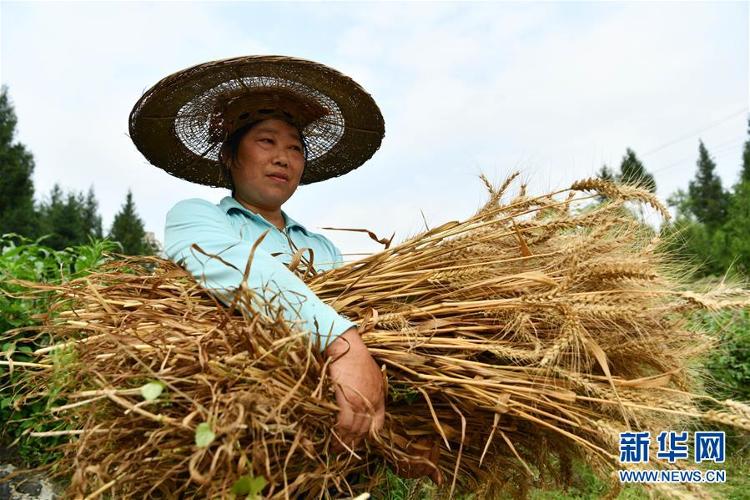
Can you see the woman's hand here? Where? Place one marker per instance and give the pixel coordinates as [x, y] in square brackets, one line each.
[359, 389]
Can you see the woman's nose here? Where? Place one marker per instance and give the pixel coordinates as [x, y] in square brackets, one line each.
[281, 157]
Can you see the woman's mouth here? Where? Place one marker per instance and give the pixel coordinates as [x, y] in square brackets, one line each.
[278, 178]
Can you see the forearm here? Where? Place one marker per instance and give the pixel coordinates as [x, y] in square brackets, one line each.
[220, 265]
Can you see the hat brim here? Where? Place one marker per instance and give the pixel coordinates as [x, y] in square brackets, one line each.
[171, 123]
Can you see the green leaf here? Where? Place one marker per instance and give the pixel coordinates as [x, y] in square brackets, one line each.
[249, 485]
[203, 435]
[152, 390]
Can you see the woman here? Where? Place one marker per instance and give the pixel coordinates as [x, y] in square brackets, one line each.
[261, 126]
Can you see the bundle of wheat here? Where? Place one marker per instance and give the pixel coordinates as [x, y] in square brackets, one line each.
[525, 336]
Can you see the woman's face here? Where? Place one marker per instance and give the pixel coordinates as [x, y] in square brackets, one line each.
[269, 164]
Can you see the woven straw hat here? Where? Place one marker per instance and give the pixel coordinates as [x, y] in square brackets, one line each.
[181, 122]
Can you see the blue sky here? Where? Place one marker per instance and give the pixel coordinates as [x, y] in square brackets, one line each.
[552, 89]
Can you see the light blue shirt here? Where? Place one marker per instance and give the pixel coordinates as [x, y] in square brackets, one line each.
[228, 231]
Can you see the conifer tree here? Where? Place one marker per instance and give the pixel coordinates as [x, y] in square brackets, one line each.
[69, 219]
[745, 172]
[61, 219]
[17, 214]
[632, 171]
[92, 221]
[737, 227]
[128, 230]
[606, 173]
[708, 201]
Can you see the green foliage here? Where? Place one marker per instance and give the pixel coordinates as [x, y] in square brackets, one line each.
[713, 251]
[27, 260]
[695, 245]
[127, 229]
[729, 363]
[632, 172]
[69, 219]
[249, 486]
[23, 260]
[17, 213]
[92, 221]
[587, 485]
[394, 487]
[606, 173]
[745, 172]
[712, 227]
[152, 390]
[738, 475]
[403, 393]
[708, 201]
[737, 228]
[204, 436]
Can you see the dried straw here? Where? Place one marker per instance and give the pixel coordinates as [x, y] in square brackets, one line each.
[529, 334]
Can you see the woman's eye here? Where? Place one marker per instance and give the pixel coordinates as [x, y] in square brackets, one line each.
[266, 140]
[297, 148]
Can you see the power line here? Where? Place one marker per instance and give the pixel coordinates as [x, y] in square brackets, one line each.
[696, 132]
[722, 145]
[680, 162]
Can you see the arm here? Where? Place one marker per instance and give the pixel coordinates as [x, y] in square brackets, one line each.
[359, 384]
[200, 222]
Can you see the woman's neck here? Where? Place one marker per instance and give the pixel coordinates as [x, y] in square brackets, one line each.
[274, 216]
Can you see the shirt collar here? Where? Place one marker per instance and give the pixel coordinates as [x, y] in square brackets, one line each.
[229, 203]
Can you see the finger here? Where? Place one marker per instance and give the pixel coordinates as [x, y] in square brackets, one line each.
[344, 422]
[345, 417]
[352, 429]
[378, 420]
[358, 431]
[362, 423]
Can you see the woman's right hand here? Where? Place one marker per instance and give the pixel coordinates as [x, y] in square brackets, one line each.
[359, 389]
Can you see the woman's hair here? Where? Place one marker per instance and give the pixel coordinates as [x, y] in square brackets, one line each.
[230, 148]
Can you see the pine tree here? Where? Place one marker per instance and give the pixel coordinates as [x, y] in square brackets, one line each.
[127, 229]
[69, 219]
[17, 213]
[606, 173]
[680, 201]
[737, 227]
[92, 221]
[632, 171]
[62, 219]
[745, 172]
[708, 201]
